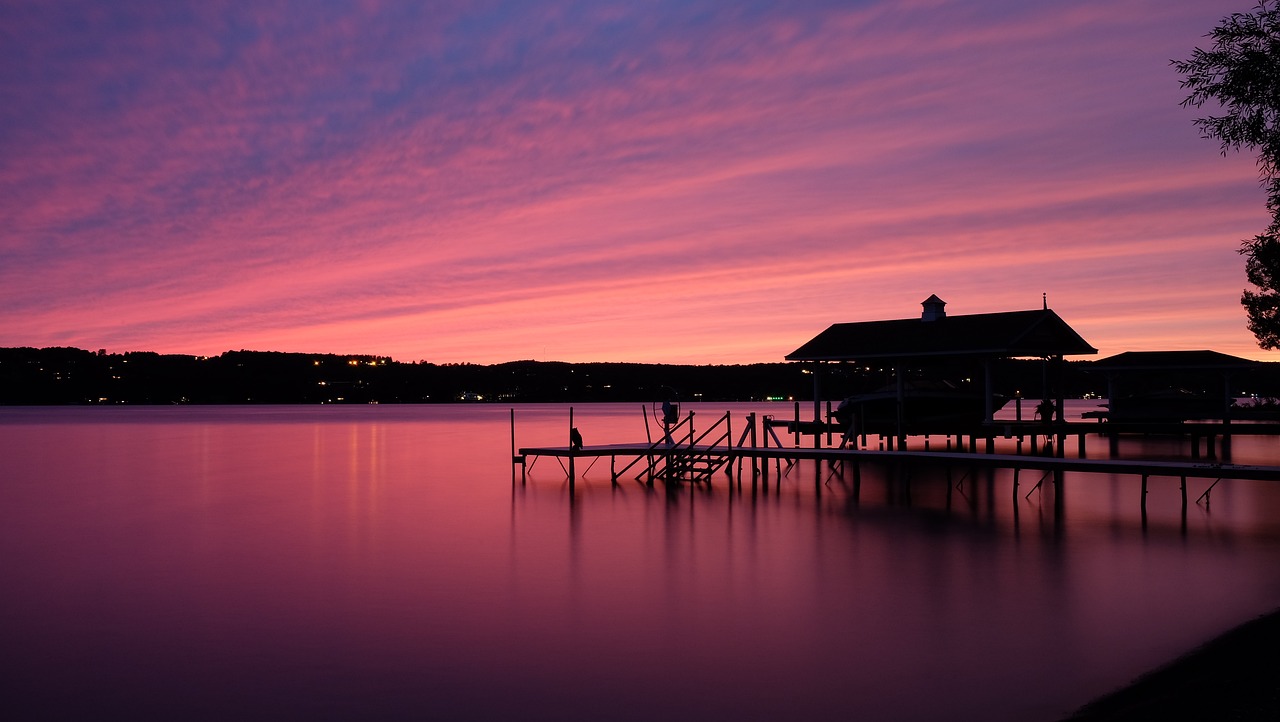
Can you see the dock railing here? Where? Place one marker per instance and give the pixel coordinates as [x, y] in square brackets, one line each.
[683, 455]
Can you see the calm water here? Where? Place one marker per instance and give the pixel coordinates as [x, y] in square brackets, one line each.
[379, 562]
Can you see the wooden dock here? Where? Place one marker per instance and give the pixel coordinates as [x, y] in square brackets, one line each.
[689, 459]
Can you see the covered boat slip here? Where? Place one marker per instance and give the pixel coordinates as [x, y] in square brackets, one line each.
[940, 341]
[1172, 386]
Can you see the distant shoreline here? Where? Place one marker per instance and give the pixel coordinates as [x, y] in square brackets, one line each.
[71, 376]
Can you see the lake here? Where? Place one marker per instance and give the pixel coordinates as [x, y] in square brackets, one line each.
[333, 562]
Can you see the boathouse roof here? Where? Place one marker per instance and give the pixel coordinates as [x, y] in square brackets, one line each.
[1172, 361]
[1035, 333]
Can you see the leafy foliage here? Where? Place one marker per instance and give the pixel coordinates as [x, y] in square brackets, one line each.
[1241, 72]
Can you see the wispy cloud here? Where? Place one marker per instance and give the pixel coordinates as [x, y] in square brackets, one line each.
[604, 181]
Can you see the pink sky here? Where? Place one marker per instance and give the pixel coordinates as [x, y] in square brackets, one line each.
[675, 182]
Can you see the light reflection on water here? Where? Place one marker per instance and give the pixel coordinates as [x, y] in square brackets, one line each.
[379, 561]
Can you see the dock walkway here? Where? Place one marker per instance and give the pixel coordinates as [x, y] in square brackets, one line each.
[688, 459]
[1140, 467]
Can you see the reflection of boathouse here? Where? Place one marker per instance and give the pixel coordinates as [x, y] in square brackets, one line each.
[938, 341]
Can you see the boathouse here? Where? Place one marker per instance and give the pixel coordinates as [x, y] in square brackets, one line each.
[936, 338]
[1172, 386]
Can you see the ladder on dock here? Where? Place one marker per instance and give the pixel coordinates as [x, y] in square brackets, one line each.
[680, 456]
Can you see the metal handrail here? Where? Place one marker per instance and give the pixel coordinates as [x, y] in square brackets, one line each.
[660, 451]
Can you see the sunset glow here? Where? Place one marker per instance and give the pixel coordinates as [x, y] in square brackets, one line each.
[673, 182]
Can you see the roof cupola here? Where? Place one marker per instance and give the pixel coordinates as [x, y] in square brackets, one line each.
[934, 308]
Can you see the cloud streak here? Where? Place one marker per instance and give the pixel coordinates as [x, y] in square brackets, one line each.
[671, 182]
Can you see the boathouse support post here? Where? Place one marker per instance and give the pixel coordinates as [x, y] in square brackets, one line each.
[572, 469]
[1061, 402]
[1226, 413]
[828, 425]
[988, 408]
[901, 387]
[817, 405]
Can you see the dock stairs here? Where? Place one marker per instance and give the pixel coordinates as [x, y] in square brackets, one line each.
[680, 456]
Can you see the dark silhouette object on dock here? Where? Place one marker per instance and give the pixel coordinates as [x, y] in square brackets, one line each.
[575, 439]
[1045, 410]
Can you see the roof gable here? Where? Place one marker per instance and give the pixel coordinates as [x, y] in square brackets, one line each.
[1039, 332]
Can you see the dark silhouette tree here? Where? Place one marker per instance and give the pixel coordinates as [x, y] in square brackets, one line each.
[1241, 72]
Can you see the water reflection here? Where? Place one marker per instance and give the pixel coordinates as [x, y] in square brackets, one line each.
[245, 563]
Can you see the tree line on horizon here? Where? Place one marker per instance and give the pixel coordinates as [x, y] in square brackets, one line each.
[55, 376]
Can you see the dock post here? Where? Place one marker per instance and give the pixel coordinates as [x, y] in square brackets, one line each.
[572, 470]
[828, 425]
[764, 461]
[796, 436]
[1144, 492]
[755, 460]
[515, 459]
[728, 464]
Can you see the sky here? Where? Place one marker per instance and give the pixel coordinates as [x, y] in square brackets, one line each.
[691, 181]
